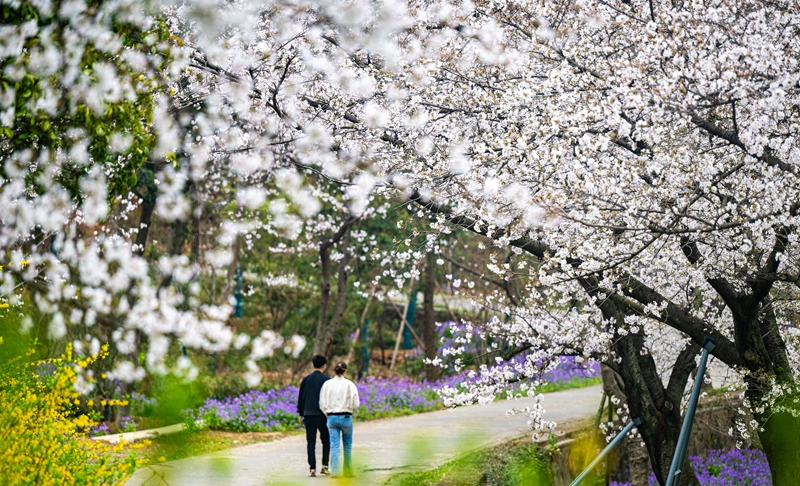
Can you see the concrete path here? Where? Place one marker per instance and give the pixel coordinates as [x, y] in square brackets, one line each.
[140, 434]
[381, 448]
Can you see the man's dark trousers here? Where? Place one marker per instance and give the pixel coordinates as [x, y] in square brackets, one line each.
[314, 423]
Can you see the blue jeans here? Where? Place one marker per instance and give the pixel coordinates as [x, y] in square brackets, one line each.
[341, 431]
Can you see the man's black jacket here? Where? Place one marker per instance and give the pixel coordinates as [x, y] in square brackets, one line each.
[308, 401]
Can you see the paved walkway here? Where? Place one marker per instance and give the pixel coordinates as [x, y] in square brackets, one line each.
[381, 448]
[140, 434]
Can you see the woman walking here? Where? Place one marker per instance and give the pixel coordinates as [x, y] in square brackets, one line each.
[338, 399]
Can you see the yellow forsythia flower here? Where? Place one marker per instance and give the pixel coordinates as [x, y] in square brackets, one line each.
[41, 443]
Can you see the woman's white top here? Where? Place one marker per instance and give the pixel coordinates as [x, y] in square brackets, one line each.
[338, 395]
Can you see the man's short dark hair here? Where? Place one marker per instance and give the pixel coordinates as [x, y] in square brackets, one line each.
[319, 361]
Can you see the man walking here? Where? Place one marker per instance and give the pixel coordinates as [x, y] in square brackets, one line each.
[312, 417]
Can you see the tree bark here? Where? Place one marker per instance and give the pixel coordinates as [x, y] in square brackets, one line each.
[638, 461]
[429, 318]
[326, 329]
[325, 295]
[145, 220]
[647, 397]
[637, 455]
[380, 342]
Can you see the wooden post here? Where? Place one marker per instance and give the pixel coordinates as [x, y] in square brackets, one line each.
[358, 330]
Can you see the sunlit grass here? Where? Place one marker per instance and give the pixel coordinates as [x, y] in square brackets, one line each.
[515, 463]
[194, 443]
[577, 382]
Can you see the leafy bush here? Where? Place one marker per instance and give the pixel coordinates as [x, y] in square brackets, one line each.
[42, 438]
[173, 394]
[143, 406]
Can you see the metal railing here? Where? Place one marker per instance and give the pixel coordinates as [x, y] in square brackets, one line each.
[681, 449]
[674, 476]
[637, 421]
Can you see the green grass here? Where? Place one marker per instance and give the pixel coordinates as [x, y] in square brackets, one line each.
[194, 443]
[511, 464]
[573, 383]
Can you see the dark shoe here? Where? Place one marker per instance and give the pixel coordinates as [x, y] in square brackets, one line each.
[312, 473]
[325, 471]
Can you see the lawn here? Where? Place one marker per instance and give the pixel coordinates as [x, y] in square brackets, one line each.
[196, 442]
[515, 463]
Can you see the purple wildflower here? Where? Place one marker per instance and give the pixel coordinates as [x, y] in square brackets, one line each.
[99, 429]
[746, 467]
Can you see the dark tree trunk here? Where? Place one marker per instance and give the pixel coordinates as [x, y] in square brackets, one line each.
[197, 215]
[380, 342]
[647, 397]
[341, 294]
[429, 318]
[326, 329]
[325, 295]
[638, 460]
[145, 221]
[148, 205]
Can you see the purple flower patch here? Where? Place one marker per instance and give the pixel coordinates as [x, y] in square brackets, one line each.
[746, 467]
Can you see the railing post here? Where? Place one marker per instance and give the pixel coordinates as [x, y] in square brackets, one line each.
[637, 421]
[674, 476]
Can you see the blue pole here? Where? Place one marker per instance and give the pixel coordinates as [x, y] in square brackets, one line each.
[674, 476]
[637, 421]
[237, 293]
[412, 309]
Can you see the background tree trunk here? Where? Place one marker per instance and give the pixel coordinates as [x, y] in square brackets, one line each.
[429, 317]
[145, 220]
[326, 329]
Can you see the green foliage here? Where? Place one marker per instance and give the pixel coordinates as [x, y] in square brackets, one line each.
[175, 394]
[578, 382]
[222, 385]
[47, 119]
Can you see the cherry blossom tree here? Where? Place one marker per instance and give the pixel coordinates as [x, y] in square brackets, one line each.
[645, 153]
[107, 106]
